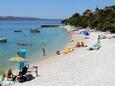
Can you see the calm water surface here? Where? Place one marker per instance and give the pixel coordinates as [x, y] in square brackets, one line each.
[49, 38]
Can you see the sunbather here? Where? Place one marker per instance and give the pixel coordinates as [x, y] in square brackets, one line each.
[10, 75]
[95, 46]
[82, 44]
[21, 78]
[78, 44]
[29, 76]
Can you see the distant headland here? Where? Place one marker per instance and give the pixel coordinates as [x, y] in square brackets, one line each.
[3, 18]
[13, 18]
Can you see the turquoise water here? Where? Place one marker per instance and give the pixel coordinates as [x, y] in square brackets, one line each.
[49, 38]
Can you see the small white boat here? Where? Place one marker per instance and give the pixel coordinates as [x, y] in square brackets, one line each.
[3, 40]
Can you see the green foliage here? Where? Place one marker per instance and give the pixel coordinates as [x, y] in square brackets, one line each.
[102, 19]
[76, 15]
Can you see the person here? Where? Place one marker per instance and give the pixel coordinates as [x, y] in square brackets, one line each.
[98, 39]
[43, 50]
[36, 71]
[29, 76]
[78, 44]
[21, 78]
[58, 52]
[98, 45]
[25, 69]
[10, 75]
[82, 44]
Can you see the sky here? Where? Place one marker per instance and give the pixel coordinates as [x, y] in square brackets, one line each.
[51, 9]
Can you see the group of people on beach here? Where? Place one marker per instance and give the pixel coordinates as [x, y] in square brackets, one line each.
[68, 50]
[23, 75]
[25, 72]
[80, 44]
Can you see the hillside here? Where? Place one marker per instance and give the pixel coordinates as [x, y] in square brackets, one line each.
[101, 19]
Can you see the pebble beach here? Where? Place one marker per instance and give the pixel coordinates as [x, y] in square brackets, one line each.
[81, 67]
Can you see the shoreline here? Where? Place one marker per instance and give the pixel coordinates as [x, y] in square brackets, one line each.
[75, 37]
[39, 59]
[43, 60]
[81, 65]
[47, 60]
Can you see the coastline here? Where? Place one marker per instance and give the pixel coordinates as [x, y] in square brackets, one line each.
[36, 52]
[48, 59]
[37, 40]
[39, 60]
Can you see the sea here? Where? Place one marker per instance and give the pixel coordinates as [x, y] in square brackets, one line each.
[49, 38]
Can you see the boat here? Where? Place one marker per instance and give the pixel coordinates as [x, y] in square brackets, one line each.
[3, 40]
[34, 31]
[49, 25]
[22, 43]
[17, 31]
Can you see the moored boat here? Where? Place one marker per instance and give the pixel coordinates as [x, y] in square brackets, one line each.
[49, 25]
[17, 31]
[34, 31]
[3, 40]
[22, 43]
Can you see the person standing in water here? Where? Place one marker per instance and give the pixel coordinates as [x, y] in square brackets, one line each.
[58, 52]
[43, 50]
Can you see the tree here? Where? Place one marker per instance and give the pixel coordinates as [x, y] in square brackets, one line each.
[102, 19]
[76, 15]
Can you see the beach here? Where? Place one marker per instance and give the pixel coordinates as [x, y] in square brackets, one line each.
[81, 67]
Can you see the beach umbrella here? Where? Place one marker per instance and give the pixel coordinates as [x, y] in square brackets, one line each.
[22, 53]
[85, 33]
[18, 59]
